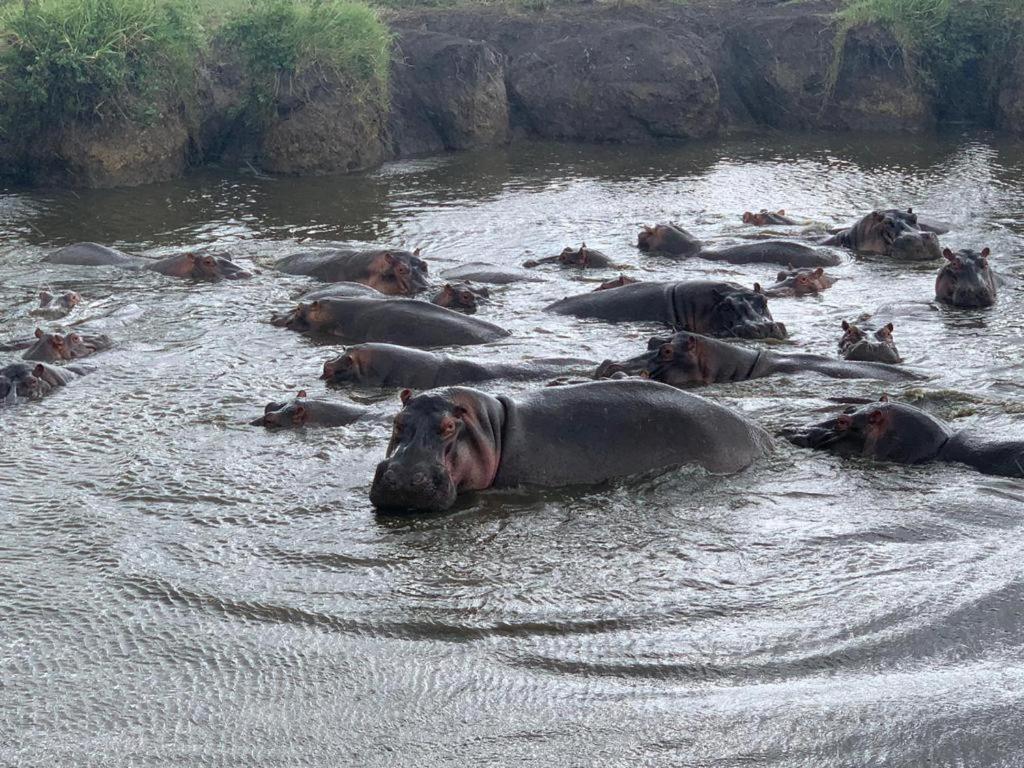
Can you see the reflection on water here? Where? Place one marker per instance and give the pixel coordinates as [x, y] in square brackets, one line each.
[180, 589]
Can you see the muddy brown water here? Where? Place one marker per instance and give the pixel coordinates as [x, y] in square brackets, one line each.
[178, 588]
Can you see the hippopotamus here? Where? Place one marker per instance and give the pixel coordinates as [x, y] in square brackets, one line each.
[396, 321]
[198, 266]
[618, 282]
[901, 433]
[482, 272]
[394, 273]
[55, 307]
[449, 441]
[461, 297]
[800, 282]
[690, 359]
[303, 412]
[888, 233]
[583, 258]
[966, 280]
[766, 218]
[35, 380]
[388, 365]
[855, 344]
[700, 306]
[670, 240]
[51, 347]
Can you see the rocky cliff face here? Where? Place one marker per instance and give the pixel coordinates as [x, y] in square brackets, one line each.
[474, 77]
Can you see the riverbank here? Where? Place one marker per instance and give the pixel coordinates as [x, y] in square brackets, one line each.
[260, 91]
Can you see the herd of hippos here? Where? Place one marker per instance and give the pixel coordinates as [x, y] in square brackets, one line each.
[451, 439]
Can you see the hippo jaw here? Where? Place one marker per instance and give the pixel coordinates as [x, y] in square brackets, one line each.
[422, 487]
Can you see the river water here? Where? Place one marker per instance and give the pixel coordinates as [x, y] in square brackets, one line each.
[178, 588]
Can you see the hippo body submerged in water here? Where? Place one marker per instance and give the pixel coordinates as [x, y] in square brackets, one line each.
[483, 272]
[388, 365]
[699, 306]
[301, 411]
[461, 297]
[966, 280]
[800, 282]
[54, 307]
[396, 321]
[454, 440]
[34, 380]
[53, 347]
[581, 258]
[901, 433]
[766, 218]
[865, 345]
[890, 233]
[670, 240]
[689, 359]
[196, 266]
[394, 273]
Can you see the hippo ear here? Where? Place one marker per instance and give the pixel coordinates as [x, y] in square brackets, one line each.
[269, 407]
[448, 289]
[747, 217]
[884, 398]
[39, 333]
[691, 343]
[648, 230]
[39, 370]
[780, 277]
[846, 326]
[782, 211]
[877, 215]
[302, 394]
[985, 252]
[416, 253]
[405, 395]
[889, 327]
[389, 257]
[300, 414]
[757, 288]
[910, 210]
[876, 417]
[819, 272]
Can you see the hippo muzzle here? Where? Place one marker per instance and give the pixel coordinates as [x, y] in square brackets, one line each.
[412, 483]
[916, 246]
[762, 330]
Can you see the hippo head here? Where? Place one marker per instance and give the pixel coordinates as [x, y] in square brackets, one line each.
[892, 234]
[357, 365]
[438, 448]
[66, 301]
[203, 267]
[462, 297]
[884, 430]
[575, 258]
[668, 239]
[743, 314]
[306, 316]
[804, 281]
[679, 361]
[402, 273]
[287, 414]
[52, 345]
[27, 380]
[764, 217]
[966, 280]
[618, 282]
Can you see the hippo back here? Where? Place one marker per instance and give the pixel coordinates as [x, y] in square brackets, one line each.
[90, 255]
[588, 433]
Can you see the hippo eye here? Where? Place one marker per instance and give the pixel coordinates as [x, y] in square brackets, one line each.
[666, 352]
[467, 297]
[844, 422]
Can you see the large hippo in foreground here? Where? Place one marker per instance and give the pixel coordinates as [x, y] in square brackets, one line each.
[670, 240]
[901, 433]
[689, 359]
[388, 365]
[197, 266]
[701, 306]
[450, 441]
[395, 273]
[397, 321]
[966, 280]
[889, 233]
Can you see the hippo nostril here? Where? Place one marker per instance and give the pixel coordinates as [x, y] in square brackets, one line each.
[419, 479]
[391, 479]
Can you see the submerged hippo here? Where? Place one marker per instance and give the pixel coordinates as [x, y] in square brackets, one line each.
[454, 440]
[190, 265]
[583, 257]
[54, 307]
[35, 380]
[462, 297]
[394, 273]
[618, 282]
[689, 359]
[52, 347]
[901, 433]
[482, 272]
[800, 282]
[966, 280]
[670, 240]
[869, 346]
[700, 306]
[303, 412]
[766, 218]
[396, 321]
[388, 365]
[888, 233]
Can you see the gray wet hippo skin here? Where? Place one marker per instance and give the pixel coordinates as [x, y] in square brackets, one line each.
[396, 321]
[689, 359]
[34, 380]
[300, 411]
[196, 266]
[393, 273]
[766, 218]
[617, 282]
[451, 441]
[800, 282]
[901, 433]
[482, 272]
[53, 347]
[889, 233]
[966, 280]
[461, 297]
[670, 240]
[388, 365]
[581, 258]
[55, 307]
[866, 345]
[700, 306]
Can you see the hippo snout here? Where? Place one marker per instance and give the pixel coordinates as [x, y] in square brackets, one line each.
[761, 331]
[421, 487]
